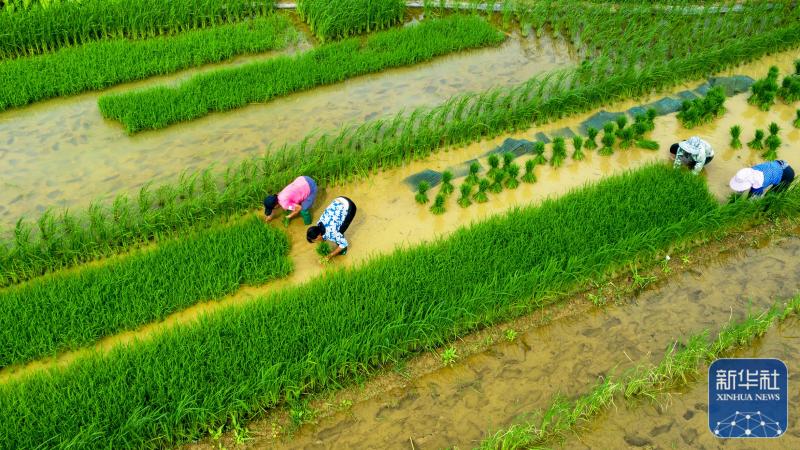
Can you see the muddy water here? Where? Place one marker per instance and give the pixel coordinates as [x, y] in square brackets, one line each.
[682, 421]
[457, 406]
[63, 153]
[388, 216]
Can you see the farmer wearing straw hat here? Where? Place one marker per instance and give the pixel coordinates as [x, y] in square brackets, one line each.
[332, 224]
[296, 198]
[694, 152]
[773, 175]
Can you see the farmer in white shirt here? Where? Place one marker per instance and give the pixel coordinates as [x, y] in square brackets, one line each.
[332, 224]
[694, 152]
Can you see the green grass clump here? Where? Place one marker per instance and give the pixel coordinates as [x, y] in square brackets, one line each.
[773, 142]
[757, 142]
[559, 152]
[447, 187]
[332, 329]
[422, 192]
[466, 192]
[344, 18]
[39, 29]
[494, 165]
[497, 182]
[438, 204]
[508, 159]
[98, 65]
[608, 140]
[474, 169]
[736, 133]
[538, 152]
[626, 137]
[74, 309]
[577, 146]
[621, 121]
[324, 249]
[591, 134]
[797, 120]
[530, 175]
[703, 110]
[513, 172]
[789, 91]
[483, 187]
[765, 90]
[258, 82]
[647, 144]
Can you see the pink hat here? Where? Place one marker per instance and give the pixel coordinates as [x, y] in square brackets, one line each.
[746, 179]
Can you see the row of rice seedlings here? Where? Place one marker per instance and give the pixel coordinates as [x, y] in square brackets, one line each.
[74, 309]
[765, 90]
[232, 88]
[357, 151]
[237, 362]
[98, 65]
[789, 91]
[42, 29]
[680, 366]
[703, 110]
[344, 18]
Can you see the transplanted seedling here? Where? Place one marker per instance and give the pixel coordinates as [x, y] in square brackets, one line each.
[736, 133]
[773, 143]
[577, 145]
[449, 357]
[438, 204]
[559, 152]
[324, 249]
[647, 144]
[510, 334]
[756, 143]
[626, 137]
[483, 187]
[797, 120]
[538, 150]
[608, 139]
[591, 134]
[513, 172]
[621, 121]
[447, 187]
[466, 192]
[774, 129]
[494, 165]
[497, 184]
[474, 168]
[530, 176]
[422, 192]
[508, 158]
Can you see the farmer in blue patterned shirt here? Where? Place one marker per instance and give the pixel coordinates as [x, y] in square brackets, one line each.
[775, 174]
[332, 224]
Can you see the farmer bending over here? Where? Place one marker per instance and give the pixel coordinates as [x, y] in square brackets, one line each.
[332, 225]
[297, 198]
[694, 152]
[775, 175]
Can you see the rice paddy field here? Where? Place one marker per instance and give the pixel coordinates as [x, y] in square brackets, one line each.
[526, 267]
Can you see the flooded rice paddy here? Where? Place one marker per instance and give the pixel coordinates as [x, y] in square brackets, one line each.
[62, 153]
[455, 407]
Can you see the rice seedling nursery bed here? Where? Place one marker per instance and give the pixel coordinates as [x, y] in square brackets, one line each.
[234, 364]
[41, 29]
[357, 151]
[332, 20]
[104, 63]
[69, 310]
[228, 89]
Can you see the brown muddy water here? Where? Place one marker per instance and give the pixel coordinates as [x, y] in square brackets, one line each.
[388, 217]
[681, 421]
[456, 407]
[62, 153]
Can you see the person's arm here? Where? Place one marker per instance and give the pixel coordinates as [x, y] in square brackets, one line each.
[341, 245]
[678, 158]
[294, 213]
[699, 163]
[269, 217]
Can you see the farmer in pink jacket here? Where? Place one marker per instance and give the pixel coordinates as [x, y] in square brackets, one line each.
[296, 198]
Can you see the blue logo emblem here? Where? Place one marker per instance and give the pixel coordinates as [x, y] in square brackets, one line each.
[747, 398]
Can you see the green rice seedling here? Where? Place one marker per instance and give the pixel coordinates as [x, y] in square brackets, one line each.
[159, 107]
[447, 187]
[324, 249]
[472, 177]
[530, 175]
[626, 137]
[483, 187]
[538, 151]
[765, 90]
[591, 134]
[608, 139]
[577, 145]
[703, 110]
[640, 213]
[621, 122]
[773, 143]
[647, 144]
[756, 143]
[513, 172]
[466, 192]
[559, 152]
[101, 64]
[334, 20]
[640, 126]
[497, 182]
[510, 334]
[797, 120]
[422, 192]
[449, 357]
[438, 204]
[789, 91]
[736, 133]
[774, 129]
[494, 165]
[508, 158]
